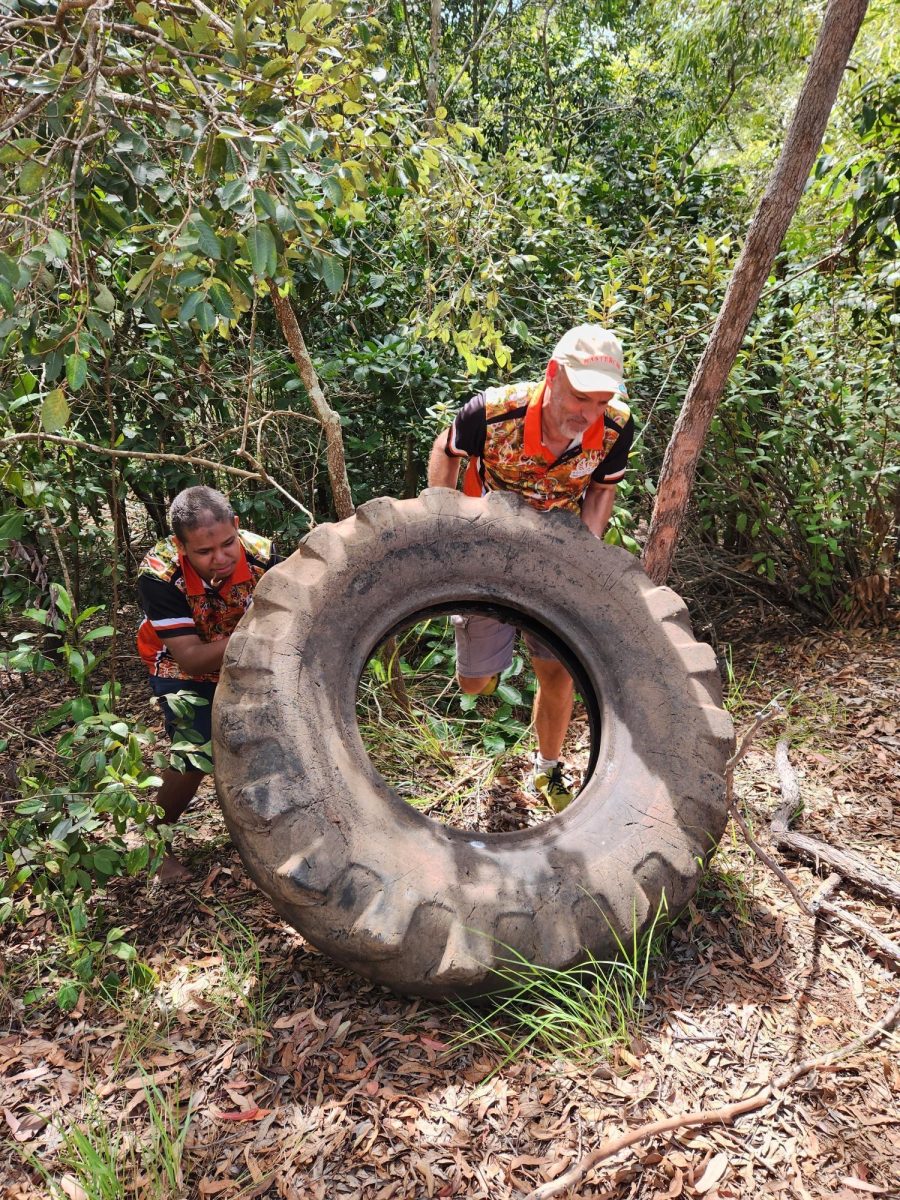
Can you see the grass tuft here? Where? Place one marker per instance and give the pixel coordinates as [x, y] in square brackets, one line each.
[102, 1161]
[571, 1013]
[245, 990]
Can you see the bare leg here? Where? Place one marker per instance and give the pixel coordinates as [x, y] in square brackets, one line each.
[177, 791]
[553, 702]
[474, 684]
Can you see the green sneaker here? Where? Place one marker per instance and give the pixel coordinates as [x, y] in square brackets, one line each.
[552, 787]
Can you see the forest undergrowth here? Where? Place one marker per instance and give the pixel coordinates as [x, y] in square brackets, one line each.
[240, 1062]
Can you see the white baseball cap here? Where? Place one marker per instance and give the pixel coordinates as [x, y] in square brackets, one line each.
[592, 357]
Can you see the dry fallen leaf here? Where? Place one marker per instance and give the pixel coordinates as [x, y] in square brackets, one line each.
[861, 1185]
[73, 1188]
[432, 1043]
[715, 1169]
[246, 1114]
[676, 1187]
[210, 1187]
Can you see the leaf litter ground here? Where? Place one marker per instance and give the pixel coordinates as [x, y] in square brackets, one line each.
[298, 1080]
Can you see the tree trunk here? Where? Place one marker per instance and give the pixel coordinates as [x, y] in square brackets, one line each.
[767, 229]
[434, 58]
[331, 422]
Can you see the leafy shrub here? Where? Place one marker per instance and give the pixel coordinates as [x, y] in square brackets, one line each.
[79, 804]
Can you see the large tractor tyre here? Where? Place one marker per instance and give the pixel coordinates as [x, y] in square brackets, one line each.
[401, 898]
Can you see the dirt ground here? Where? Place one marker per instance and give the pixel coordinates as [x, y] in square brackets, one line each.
[338, 1088]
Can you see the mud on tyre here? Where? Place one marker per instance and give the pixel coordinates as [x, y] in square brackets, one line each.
[397, 896]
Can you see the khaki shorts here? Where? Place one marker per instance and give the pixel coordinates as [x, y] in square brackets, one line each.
[484, 645]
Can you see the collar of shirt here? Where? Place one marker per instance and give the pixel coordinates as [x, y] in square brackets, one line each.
[533, 444]
[195, 586]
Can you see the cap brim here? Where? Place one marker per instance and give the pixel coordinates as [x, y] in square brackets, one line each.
[586, 380]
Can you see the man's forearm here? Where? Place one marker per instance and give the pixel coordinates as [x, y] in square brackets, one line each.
[597, 509]
[443, 471]
[198, 657]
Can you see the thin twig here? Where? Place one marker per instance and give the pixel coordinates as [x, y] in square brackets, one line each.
[473, 49]
[139, 454]
[54, 537]
[214, 19]
[846, 862]
[415, 52]
[117, 530]
[837, 912]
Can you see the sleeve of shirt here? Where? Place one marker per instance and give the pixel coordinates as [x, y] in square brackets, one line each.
[613, 467]
[468, 432]
[165, 607]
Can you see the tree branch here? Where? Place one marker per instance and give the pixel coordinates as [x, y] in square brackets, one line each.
[331, 422]
[260, 474]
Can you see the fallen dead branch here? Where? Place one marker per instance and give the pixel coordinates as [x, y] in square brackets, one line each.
[716, 1116]
[845, 862]
[851, 866]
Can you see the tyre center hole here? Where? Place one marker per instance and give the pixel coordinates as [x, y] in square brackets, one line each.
[464, 759]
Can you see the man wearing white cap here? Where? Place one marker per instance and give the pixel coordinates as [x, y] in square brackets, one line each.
[560, 443]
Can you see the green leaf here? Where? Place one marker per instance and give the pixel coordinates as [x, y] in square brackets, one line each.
[67, 996]
[190, 306]
[106, 861]
[9, 270]
[102, 631]
[221, 301]
[109, 216]
[190, 277]
[239, 34]
[54, 411]
[18, 148]
[331, 186]
[104, 299]
[7, 298]
[206, 238]
[97, 325]
[311, 14]
[332, 273]
[265, 202]
[262, 251]
[136, 860]
[233, 193]
[206, 317]
[80, 708]
[76, 371]
[63, 600]
[12, 524]
[58, 243]
[31, 176]
[508, 693]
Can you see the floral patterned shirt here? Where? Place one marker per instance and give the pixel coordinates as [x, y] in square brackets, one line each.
[499, 430]
[176, 601]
